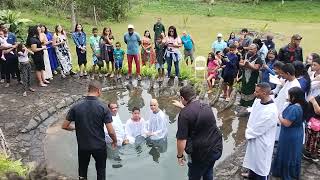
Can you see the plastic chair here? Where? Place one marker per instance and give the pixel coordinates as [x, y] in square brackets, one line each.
[200, 64]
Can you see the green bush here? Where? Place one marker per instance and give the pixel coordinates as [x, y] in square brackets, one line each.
[7, 165]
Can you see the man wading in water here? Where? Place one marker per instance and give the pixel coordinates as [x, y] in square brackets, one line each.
[197, 135]
[90, 116]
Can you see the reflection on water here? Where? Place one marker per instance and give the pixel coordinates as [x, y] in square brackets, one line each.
[156, 160]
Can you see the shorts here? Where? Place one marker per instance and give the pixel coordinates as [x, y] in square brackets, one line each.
[118, 64]
[188, 53]
[39, 62]
[228, 79]
[159, 66]
[82, 57]
[95, 60]
[110, 56]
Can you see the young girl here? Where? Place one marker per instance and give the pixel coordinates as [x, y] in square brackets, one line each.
[25, 68]
[213, 66]
[267, 68]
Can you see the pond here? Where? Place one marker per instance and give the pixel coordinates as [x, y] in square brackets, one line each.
[144, 162]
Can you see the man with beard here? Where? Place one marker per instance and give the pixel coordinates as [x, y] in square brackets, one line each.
[251, 65]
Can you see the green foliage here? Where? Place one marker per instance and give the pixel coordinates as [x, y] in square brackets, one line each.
[149, 71]
[115, 10]
[14, 21]
[7, 165]
[246, 9]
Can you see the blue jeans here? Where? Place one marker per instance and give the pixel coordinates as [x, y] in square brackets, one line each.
[176, 65]
[203, 169]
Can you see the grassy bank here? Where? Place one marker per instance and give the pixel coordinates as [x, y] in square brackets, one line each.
[295, 11]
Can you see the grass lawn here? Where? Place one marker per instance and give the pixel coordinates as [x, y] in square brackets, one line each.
[202, 28]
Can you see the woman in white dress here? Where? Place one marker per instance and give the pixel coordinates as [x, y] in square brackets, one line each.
[44, 41]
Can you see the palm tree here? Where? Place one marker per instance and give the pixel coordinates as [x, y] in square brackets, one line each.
[14, 21]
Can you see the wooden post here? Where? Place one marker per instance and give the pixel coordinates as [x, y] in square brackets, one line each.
[73, 16]
[95, 15]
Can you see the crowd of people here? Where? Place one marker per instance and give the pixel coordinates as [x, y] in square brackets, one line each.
[284, 105]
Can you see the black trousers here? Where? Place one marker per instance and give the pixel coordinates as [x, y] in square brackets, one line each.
[2, 72]
[11, 67]
[100, 156]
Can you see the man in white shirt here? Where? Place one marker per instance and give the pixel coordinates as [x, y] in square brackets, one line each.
[260, 134]
[219, 44]
[117, 125]
[157, 127]
[287, 72]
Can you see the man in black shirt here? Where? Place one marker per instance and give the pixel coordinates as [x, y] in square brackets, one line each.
[198, 135]
[90, 116]
[292, 51]
[269, 42]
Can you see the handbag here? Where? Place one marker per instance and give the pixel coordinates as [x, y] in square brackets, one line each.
[314, 124]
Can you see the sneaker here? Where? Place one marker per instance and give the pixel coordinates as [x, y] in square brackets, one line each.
[92, 77]
[2, 81]
[63, 76]
[139, 78]
[111, 76]
[7, 85]
[46, 81]
[128, 77]
[227, 99]
[100, 75]
[32, 90]
[24, 94]
[20, 82]
[43, 85]
[309, 156]
[108, 74]
[85, 73]
[119, 76]
[55, 72]
[81, 74]
[72, 73]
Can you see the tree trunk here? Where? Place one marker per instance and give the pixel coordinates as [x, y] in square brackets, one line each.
[73, 16]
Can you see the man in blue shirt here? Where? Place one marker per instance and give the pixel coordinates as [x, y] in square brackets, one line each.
[188, 44]
[11, 66]
[133, 41]
[219, 44]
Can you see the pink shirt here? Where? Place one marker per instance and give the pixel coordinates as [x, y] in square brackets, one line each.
[171, 40]
[212, 65]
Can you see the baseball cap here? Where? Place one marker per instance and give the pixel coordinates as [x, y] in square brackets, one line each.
[296, 37]
[130, 26]
[219, 35]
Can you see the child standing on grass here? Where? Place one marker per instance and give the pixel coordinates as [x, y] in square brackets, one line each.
[96, 53]
[213, 66]
[118, 54]
[25, 68]
[159, 54]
